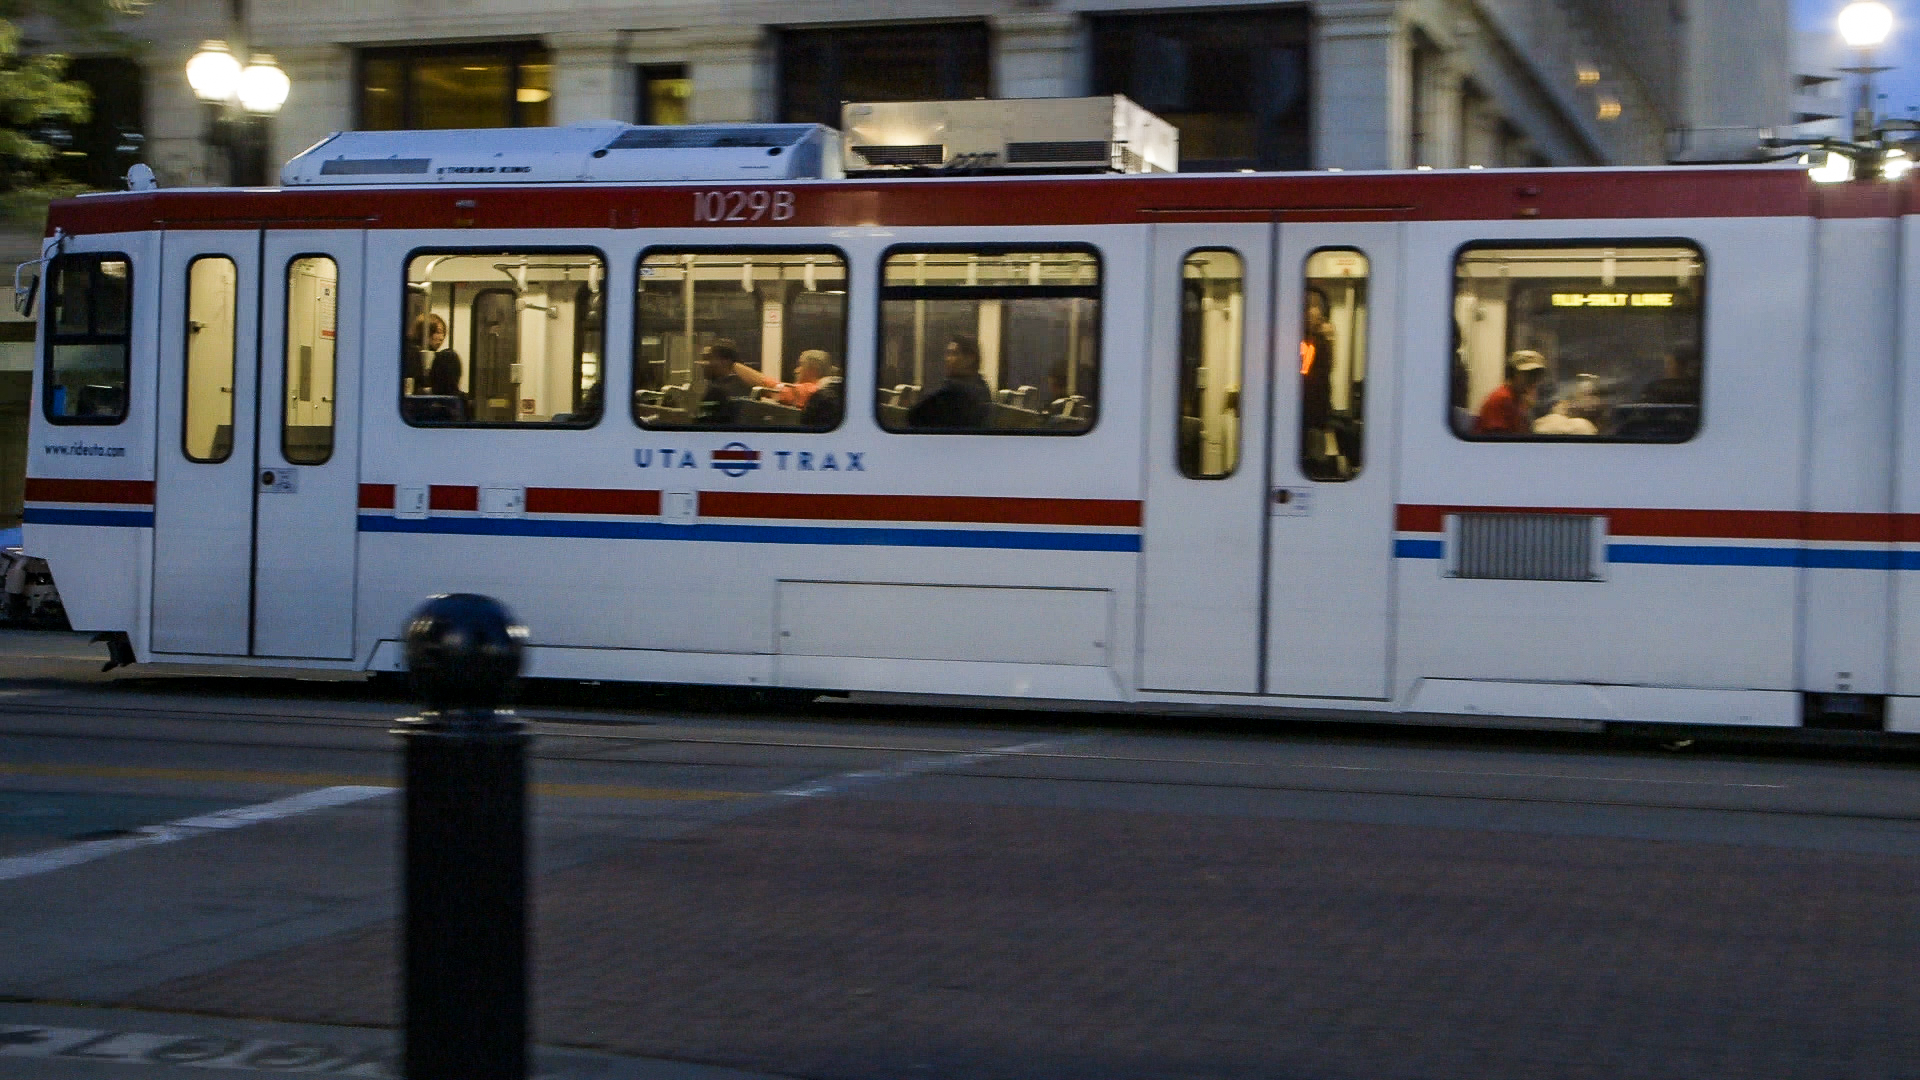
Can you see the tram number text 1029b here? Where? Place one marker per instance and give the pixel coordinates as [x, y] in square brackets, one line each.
[711, 206]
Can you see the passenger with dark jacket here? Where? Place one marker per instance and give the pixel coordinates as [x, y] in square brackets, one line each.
[963, 402]
[720, 404]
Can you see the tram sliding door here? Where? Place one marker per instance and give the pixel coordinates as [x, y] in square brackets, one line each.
[203, 498]
[306, 480]
[1330, 544]
[1206, 427]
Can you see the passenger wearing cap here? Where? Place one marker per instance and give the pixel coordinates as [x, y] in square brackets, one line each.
[1509, 409]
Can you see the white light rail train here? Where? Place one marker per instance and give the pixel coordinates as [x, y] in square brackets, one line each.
[1618, 446]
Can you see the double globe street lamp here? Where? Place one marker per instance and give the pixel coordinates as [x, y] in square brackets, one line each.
[240, 100]
[1873, 148]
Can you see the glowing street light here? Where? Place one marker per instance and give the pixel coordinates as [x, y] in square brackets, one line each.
[1865, 24]
[239, 100]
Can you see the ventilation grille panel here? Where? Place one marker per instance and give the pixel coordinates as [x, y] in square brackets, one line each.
[1092, 152]
[1525, 547]
[374, 166]
[925, 154]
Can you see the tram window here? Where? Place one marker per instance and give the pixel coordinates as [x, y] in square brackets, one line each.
[990, 340]
[1333, 366]
[1596, 342]
[88, 339]
[306, 427]
[212, 293]
[499, 338]
[740, 339]
[1212, 314]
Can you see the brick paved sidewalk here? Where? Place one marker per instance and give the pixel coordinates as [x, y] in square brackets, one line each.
[873, 939]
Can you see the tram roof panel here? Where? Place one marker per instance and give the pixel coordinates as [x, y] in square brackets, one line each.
[1460, 195]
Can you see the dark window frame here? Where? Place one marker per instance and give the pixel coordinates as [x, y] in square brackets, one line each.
[399, 382]
[186, 355]
[644, 75]
[514, 52]
[1596, 244]
[286, 359]
[951, 78]
[1287, 146]
[994, 292]
[1179, 466]
[846, 330]
[54, 339]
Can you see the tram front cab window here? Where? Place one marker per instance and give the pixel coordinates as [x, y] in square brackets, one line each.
[990, 340]
[1594, 342]
[503, 338]
[89, 339]
[740, 339]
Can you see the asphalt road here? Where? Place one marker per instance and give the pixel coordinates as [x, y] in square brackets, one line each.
[862, 892]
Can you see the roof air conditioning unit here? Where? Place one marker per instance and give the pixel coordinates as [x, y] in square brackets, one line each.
[1022, 135]
[605, 152]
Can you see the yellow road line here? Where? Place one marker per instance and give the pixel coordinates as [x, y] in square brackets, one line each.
[320, 779]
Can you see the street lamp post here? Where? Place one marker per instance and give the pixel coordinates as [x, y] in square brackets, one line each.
[239, 100]
[1875, 149]
[1864, 26]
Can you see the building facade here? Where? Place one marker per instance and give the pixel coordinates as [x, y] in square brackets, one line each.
[1349, 84]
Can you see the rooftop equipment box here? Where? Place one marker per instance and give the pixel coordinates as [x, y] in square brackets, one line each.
[596, 152]
[1039, 135]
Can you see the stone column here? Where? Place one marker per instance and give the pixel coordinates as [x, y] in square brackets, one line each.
[591, 77]
[1361, 85]
[320, 101]
[732, 72]
[1039, 54]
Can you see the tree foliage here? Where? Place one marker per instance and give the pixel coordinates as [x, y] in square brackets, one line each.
[34, 92]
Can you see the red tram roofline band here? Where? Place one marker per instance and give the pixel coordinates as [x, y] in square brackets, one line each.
[1477, 195]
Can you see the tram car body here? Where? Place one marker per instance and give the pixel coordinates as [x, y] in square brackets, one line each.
[1223, 442]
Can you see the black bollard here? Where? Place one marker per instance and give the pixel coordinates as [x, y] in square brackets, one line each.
[464, 959]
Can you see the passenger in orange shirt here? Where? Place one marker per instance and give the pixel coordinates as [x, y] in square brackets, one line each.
[1509, 409]
[812, 366]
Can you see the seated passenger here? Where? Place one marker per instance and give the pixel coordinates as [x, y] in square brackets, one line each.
[1577, 411]
[826, 404]
[963, 401]
[1509, 409]
[813, 366]
[1680, 385]
[720, 404]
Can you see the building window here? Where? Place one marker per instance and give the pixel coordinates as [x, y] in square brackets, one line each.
[98, 150]
[819, 69]
[1235, 84]
[1594, 341]
[665, 94]
[455, 86]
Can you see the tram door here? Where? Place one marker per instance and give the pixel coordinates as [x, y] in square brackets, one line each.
[1330, 510]
[256, 490]
[203, 467]
[306, 481]
[1207, 387]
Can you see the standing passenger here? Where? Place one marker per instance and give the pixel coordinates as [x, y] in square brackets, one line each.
[720, 404]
